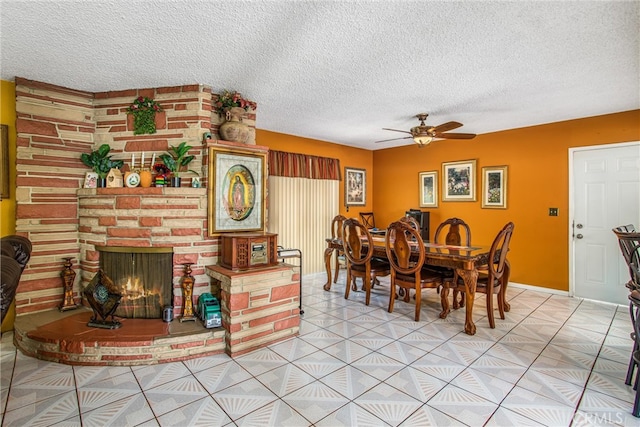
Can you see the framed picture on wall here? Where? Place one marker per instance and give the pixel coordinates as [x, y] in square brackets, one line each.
[355, 187]
[236, 190]
[494, 187]
[428, 189]
[4, 162]
[459, 181]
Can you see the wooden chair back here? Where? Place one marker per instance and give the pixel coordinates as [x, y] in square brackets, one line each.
[629, 241]
[411, 221]
[453, 236]
[498, 252]
[353, 233]
[368, 220]
[336, 226]
[398, 242]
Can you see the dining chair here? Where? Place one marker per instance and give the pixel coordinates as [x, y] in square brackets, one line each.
[629, 242]
[407, 271]
[454, 236]
[495, 279]
[358, 249]
[368, 220]
[336, 234]
[634, 304]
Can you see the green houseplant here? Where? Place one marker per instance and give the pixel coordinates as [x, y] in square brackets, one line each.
[176, 160]
[100, 161]
[144, 111]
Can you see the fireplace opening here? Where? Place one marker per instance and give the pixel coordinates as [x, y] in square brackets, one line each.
[144, 276]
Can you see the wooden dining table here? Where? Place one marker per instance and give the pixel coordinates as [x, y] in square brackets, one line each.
[466, 260]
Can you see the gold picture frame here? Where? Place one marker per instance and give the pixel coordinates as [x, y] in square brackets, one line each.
[459, 181]
[236, 191]
[494, 187]
[4, 162]
[428, 189]
[355, 187]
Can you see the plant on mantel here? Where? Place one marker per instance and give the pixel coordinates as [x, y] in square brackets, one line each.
[100, 161]
[144, 111]
[176, 159]
[227, 100]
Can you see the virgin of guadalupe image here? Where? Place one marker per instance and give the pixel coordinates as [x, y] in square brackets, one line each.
[239, 198]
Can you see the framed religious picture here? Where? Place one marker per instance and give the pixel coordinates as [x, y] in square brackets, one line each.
[355, 187]
[4, 162]
[236, 191]
[428, 189]
[459, 181]
[494, 187]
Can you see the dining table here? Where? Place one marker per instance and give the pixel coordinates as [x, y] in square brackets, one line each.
[467, 261]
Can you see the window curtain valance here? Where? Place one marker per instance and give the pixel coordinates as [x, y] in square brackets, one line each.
[295, 165]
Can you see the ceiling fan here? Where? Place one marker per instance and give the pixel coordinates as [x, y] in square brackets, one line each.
[423, 134]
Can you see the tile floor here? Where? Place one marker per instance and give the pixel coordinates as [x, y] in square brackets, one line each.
[555, 361]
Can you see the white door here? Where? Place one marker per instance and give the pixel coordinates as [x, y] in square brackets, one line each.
[606, 194]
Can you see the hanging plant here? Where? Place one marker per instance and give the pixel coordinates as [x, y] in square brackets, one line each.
[144, 111]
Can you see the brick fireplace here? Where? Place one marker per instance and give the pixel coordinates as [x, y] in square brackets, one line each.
[54, 126]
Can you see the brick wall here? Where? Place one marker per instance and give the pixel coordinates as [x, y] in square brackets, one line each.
[55, 125]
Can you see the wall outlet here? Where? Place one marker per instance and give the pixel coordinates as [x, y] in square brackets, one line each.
[553, 211]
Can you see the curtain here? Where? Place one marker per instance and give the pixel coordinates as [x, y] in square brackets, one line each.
[295, 165]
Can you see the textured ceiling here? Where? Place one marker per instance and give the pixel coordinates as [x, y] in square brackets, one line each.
[340, 71]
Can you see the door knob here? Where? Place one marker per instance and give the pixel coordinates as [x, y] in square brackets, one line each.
[579, 236]
[579, 225]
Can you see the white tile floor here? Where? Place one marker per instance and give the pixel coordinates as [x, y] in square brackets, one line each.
[554, 361]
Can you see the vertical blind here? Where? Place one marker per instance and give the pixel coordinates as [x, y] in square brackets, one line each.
[303, 199]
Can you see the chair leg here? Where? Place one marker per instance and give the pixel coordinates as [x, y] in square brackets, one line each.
[636, 402]
[444, 300]
[492, 321]
[347, 286]
[500, 303]
[392, 296]
[632, 366]
[335, 276]
[418, 301]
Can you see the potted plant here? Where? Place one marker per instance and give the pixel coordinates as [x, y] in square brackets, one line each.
[176, 160]
[100, 162]
[232, 106]
[144, 111]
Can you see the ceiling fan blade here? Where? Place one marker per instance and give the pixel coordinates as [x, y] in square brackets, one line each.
[396, 130]
[393, 139]
[447, 126]
[453, 135]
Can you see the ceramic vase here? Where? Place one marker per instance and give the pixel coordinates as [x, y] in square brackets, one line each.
[146, 178]
[234, 129]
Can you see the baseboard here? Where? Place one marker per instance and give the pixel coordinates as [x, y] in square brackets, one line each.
[539, 289]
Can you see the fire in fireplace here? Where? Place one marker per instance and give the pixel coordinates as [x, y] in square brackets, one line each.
[144, 277]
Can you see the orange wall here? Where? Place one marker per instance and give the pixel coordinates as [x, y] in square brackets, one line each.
[8, 117]
[349, 156]
[538, 179]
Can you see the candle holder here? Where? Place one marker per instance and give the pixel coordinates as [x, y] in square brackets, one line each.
[187, 292]
[68, 278]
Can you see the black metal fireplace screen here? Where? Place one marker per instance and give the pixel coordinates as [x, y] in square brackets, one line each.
[144, 277]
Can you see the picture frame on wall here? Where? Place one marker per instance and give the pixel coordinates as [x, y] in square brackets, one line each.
[494, 187]
[236, 190]
[428, 184]
[355, 187]
[459, 181]
[4, 162]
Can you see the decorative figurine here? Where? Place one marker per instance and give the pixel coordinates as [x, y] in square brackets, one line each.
[103, 297]
[68, 278]
[187, 292]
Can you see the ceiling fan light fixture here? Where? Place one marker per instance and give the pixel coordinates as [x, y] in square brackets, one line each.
[422, 140]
